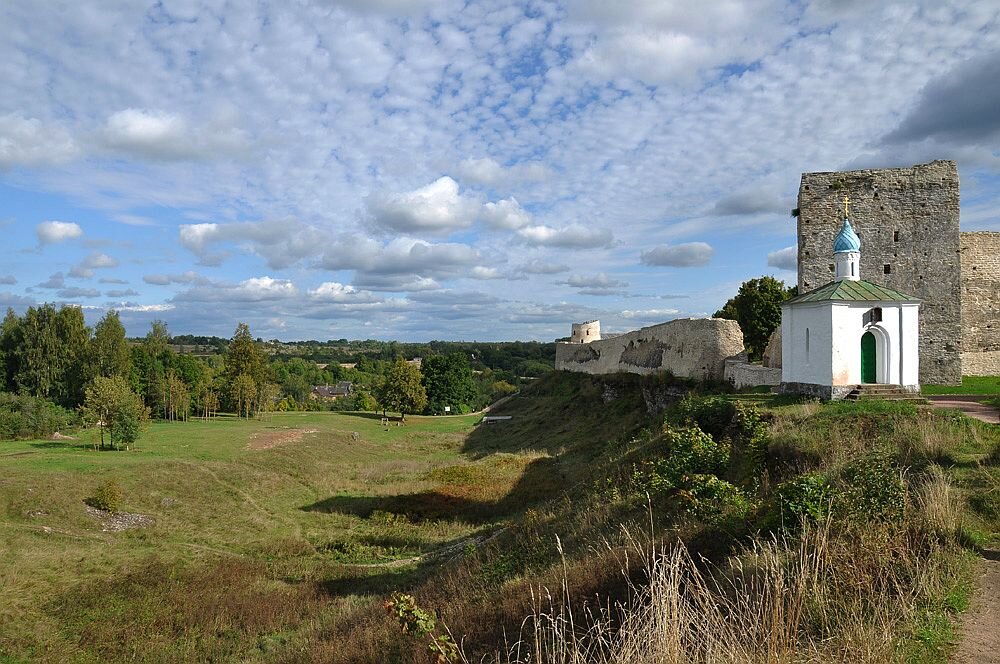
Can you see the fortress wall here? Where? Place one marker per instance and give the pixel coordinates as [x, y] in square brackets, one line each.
[980, 303]
[908, 220]
[688, 347]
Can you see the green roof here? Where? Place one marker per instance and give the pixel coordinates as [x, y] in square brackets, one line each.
[852, 291]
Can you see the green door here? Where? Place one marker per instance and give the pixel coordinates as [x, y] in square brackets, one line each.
[868, 358]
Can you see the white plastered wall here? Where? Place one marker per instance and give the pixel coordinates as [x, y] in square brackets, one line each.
[835, 330]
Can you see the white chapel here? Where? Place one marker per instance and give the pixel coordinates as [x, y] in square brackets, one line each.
[850, 332]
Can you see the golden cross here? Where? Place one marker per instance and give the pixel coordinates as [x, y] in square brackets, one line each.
[847, 205]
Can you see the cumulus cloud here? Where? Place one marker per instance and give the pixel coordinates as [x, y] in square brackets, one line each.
[437, 208]
[784, 259]
[94, 261]
[506, 214]
[538, 266]
[50, 232]
[8, 280]
[687, 254]
[485, 273]
[281, 243]
[57, 280]
[157, 134]
[73, 292]
[420, 263]
[598, 284]
[128, 292]
[28, 142]
[487, 171]
[333, 291]
[188, 277]
[255, 289]
[748, 202]
[8, 299]
[574, 236]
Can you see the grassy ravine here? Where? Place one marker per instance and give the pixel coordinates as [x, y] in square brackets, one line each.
[287, 554]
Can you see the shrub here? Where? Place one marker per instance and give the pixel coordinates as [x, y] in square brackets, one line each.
[808, 497]
[688, 451]
[712, 497]
[740, 422]
[31, 417]
[108, 496]
[872, 490]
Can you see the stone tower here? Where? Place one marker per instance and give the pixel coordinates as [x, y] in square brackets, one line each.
[584, 333]
[908, 221]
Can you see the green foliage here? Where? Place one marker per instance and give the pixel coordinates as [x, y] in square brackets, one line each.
[416, 621]
[687, 451]
[401, 391]
[871, 489]
[711, 497]
[447, 379]
[244, 362]
[108, 496]
[243, 394]
[111, 404]
[109, 353]
[45, 351]
[31, 417]
[740, 422]
[808, 496]
[757, 308]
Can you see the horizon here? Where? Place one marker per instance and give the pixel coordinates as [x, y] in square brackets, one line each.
[418, 170]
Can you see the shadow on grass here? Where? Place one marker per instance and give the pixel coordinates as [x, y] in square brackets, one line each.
[540, 481]
[63, 445]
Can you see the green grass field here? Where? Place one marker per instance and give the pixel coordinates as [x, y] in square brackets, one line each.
[970, 385]
[298, 498]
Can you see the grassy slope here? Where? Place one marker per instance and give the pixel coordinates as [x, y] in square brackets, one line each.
[285, 554]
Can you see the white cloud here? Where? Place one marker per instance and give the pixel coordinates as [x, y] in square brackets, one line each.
[485, 273]
[438, 208]
[95, 260]
[332, 291]
[649, 314]
[506, 214]
[688, 254]
[784, 259]
[281, 243]
[28, 142]
[574, 236]
[157, 134]
[50, 232]
[537, 266]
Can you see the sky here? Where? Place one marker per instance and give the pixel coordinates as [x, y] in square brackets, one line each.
[439, 169]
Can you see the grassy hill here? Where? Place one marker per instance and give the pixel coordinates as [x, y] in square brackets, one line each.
[595, 525]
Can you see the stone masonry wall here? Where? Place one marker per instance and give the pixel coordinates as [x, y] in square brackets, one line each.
[980, 303]
[908, 222]
[688, 347]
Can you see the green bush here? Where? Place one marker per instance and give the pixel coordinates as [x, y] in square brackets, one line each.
[808, 497]
[739, 422]
[871, 489]
[712, 497]
[31, 417]
[686, 453]
[108, 496]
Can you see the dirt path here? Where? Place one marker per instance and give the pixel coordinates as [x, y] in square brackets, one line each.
[979, 633]
[265, 440]
[968, 405]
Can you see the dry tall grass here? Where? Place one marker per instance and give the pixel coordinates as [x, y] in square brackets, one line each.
[823, 597]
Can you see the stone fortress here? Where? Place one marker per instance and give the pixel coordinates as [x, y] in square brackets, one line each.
[908, 222]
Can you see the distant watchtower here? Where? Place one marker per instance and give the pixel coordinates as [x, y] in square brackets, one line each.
[908, 221]
[584, 333]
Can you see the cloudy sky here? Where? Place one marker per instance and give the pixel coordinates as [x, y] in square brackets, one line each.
[424, 169]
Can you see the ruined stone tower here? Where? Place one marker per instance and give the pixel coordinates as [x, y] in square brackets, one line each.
[908, 222]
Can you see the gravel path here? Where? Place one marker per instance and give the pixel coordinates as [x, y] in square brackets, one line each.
[979, 633]
[968, 405]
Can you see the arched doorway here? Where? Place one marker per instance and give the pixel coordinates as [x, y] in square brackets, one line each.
[869, 359]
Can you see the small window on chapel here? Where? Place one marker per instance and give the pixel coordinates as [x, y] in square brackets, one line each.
[887, 269]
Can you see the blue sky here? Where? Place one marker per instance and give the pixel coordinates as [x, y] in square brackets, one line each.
[430, 169]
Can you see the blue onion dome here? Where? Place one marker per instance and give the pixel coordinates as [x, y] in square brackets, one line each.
[846, 240]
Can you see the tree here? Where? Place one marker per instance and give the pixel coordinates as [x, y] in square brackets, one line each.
[111, 404]
[243, 394]
[364, 401]
[109, 351]
[401, 390]
[757, 308]
[447, 380]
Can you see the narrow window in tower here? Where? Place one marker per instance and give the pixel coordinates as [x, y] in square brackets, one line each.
[887, 269]
[895, 236]
[852, 269]
[807, 345]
